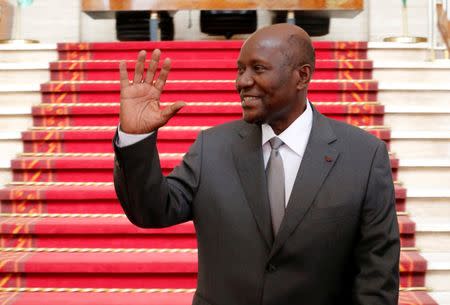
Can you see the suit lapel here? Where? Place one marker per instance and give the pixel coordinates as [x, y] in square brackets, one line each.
[249, 162]
[318, 159]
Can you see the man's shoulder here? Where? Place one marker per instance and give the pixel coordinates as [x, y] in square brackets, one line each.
[352, 134]
[228, 129]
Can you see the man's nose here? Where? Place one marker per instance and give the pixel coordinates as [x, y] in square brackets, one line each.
[244, 80]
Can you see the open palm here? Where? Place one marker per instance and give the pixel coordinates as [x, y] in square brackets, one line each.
[140, 110]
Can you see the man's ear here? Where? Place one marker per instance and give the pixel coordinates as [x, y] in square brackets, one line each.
[304, 73]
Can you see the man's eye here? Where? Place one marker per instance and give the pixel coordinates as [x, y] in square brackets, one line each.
[259, 68]
[240, 70]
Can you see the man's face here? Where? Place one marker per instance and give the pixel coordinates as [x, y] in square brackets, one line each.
[266, 82]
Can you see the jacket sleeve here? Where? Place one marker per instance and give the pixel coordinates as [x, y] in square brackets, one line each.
[378, 247]
[149, 199]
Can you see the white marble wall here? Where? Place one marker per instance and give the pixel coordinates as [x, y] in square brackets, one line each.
[385, 18]
[49, 21]
[60, 21]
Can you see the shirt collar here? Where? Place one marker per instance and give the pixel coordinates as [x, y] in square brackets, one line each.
[296, 135]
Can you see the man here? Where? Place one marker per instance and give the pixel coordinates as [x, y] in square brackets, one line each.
[335, 238]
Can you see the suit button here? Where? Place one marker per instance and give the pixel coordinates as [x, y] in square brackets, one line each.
[271, 268]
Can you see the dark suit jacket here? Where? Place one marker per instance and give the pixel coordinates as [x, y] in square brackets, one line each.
[338, 242]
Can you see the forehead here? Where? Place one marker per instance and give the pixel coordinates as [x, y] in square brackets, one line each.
[263, 49]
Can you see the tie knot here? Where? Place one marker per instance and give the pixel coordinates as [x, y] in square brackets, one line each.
[275, 143]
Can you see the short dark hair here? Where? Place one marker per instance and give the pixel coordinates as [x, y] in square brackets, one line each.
[299, 52]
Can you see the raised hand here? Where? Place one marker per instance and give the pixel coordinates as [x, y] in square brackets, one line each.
[140, 110]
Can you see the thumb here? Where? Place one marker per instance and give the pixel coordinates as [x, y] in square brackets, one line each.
[172, 109]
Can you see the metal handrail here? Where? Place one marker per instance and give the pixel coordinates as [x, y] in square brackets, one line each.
[433, 43]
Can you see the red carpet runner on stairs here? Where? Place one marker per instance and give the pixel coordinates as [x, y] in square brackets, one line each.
[64, 238]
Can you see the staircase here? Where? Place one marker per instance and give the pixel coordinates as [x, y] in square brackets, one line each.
[416, 93]
[63, 235]
[22, 70]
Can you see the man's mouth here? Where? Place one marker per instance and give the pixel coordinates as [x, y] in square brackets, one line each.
[248, 100]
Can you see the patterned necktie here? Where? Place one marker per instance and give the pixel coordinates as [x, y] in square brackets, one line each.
[275, 184]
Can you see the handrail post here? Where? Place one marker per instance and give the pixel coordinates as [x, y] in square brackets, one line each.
[290, 17]
[154, 23]
[447, 9]
[431, 25]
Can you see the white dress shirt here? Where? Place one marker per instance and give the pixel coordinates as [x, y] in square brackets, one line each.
[127, 139]
[295, 138]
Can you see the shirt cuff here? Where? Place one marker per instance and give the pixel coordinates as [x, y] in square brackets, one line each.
[126, 139]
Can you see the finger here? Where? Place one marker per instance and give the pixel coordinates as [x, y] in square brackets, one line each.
[172, 109]
[153, 66]
[162, 78]
[139, 69]
[124, 81]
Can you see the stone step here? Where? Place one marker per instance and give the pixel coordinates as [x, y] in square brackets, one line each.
[10, 144]
[412, 71]
[405, 94]
[423, 117]
[432, 234]
[441, 297]
[438, 272]
[12, 53]
[421, 144]
[431, 203]
[425, 173]
[18, 119]
[23, 95]
[382, 51]
[5, 172]
[26, 72]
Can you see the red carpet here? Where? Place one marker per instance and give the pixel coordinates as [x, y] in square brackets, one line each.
[200, 69]
[113, 231]
[54, 167]
[63, 236]
[205, 50]
[143, 298]
[155, 268]
[202, 91]
[79, 198]
[172, 139]
[194, 114]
